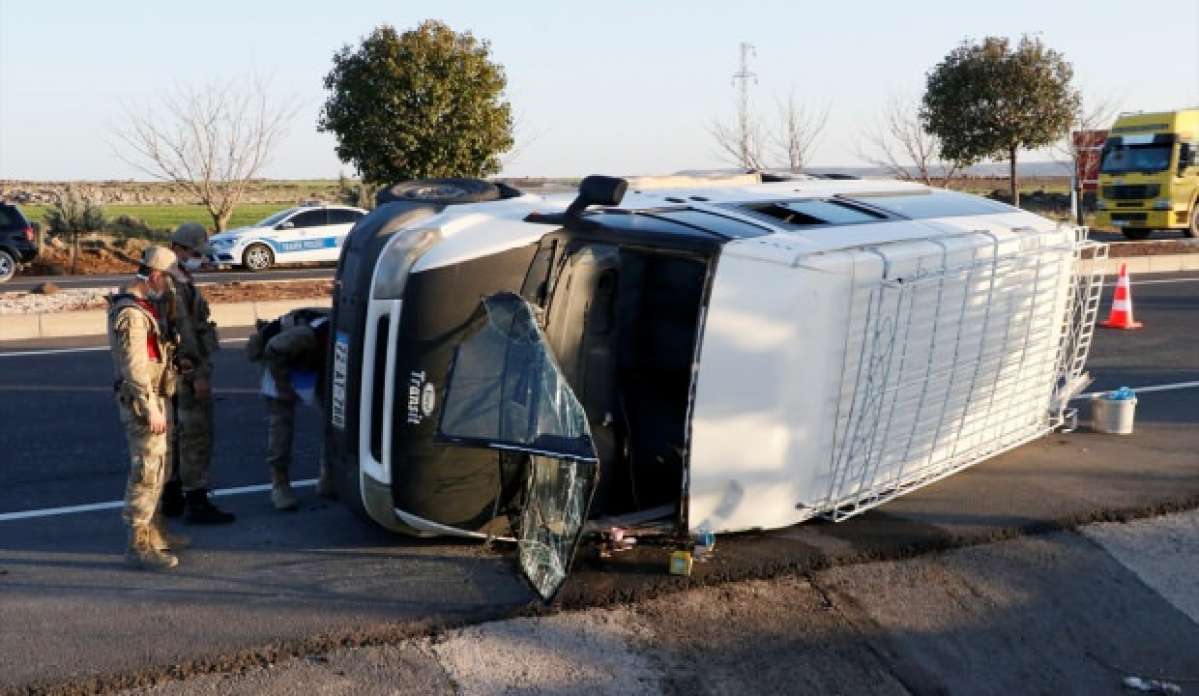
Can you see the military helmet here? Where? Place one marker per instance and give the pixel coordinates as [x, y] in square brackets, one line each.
[193, 236]
[159, 258]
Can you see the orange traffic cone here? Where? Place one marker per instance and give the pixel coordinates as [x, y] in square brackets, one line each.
[1121, 314]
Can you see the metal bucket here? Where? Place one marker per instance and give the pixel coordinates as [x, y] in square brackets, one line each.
[1110, 415]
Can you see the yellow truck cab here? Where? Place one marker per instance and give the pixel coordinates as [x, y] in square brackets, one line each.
[1148, 177]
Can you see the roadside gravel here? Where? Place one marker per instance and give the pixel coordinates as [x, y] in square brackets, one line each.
[72, 299]
[67, 300]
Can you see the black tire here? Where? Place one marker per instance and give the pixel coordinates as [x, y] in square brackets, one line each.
[8, 266]
[1192, 229]
[258, 257]
[1136, 234]
[446, 191]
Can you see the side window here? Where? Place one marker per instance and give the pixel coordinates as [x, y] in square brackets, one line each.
[339, 216]
[6, 219]
[312, 218]
[536, 285]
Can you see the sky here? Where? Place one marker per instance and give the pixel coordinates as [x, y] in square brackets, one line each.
[613, 87]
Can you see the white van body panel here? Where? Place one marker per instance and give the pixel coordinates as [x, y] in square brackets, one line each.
[849, 376]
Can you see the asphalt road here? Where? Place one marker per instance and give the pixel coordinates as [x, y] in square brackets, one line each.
[24, 283]
[1027, 615]
[277, 583]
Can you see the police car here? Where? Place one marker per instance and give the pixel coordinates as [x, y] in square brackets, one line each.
[683, 357]
[310, 233]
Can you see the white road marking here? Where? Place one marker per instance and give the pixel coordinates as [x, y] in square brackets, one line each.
[85, 349]
[1165, 280]
[117, 504]
[51, 351]
[1145, 390]
[1161, 551]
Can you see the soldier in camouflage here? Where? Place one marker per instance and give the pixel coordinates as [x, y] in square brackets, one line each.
[142, 356]
[193, 401]
[293, 359]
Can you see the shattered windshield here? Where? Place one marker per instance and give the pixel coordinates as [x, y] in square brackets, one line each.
[558, 496]
[505, 389]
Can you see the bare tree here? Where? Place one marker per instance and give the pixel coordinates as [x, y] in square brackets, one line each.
[1091, 115]
[522, 139]
[1081, 156]
[799, 130]
[210, 139]
[741, 143]
[903, 149]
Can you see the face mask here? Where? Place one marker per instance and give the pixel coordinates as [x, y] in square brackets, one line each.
[158, 295]
[193, 264]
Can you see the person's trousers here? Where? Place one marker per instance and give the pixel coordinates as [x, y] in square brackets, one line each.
[193, 440]
[147, 466]
[281, 432]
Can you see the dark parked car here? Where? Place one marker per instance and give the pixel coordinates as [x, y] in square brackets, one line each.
[16, 241]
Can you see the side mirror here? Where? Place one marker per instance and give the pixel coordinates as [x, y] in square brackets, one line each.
[285, 225]
[597, 190]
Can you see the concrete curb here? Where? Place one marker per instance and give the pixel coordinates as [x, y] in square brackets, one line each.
[1157, 263]
[94, 322]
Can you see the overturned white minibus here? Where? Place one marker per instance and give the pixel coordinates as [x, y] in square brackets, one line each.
[689, 355]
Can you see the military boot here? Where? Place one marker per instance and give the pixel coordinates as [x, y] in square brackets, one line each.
[142, 554]
[164, 539]
[172, 498]
[200, 509]
[282, 497]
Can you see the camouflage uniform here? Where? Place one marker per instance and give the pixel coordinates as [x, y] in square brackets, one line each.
[192, 442]
[197, 343]
[297, 347]
[143, 385]
[142, 358]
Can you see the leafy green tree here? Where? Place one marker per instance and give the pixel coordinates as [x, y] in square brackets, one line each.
[989, 100]
[73, 213]
[356, 193]
[425, 103]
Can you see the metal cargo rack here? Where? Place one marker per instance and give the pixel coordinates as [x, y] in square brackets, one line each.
[959, 361]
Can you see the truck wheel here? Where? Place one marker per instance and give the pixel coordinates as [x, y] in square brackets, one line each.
[1136, 233]
[8, 266]
[1192, 229]
[448, 191]
[258, 257]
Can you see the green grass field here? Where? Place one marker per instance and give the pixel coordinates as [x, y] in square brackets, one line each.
[166, 217]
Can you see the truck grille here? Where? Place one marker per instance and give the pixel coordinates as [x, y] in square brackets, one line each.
[1131, 191]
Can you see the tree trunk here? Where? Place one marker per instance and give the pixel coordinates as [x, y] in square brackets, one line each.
[220, 220]
[1078, 194]
[1015, 183]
